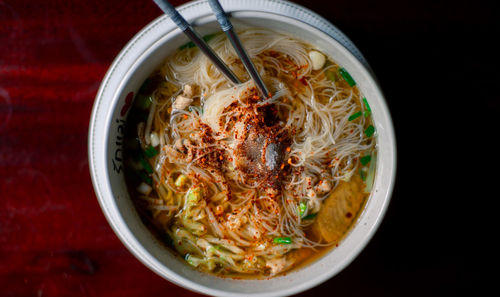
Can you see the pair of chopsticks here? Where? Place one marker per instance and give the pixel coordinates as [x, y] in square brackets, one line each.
[227, 27]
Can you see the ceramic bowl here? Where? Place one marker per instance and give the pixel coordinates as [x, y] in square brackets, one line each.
[132, 66]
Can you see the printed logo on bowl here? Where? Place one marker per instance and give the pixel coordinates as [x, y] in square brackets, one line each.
[117, 160]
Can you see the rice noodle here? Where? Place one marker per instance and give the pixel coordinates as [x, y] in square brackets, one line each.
[227, 218]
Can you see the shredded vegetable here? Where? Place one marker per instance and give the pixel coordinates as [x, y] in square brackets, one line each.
[145, 86]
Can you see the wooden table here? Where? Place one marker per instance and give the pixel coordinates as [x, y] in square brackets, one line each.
[54, 239]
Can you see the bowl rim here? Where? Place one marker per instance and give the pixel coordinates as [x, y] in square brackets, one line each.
[139, 251]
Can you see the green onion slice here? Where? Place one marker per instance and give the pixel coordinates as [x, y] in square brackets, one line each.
[355, 116]
[167, 239]
[150, 152]
[144, 87]
[143, 102]
[145, 178]
[302, 209]
[347, 77]
[362, 173]
[145, 164]
[191, 44]
[369, 131]
[367, 106]
[368, 110]
[282, 240]
[310, 216]
[365, 159]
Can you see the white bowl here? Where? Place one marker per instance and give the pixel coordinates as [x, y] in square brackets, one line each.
[134, 64]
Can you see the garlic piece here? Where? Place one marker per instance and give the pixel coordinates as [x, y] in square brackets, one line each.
[155, 140]
[182, 102]
[317, 59]
[188, 91]
[144, 188]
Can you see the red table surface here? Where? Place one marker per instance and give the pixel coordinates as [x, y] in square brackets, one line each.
[54, 239]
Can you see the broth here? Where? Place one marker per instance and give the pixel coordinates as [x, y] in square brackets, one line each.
[245, 186]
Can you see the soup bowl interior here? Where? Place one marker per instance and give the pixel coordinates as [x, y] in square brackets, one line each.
[106, 158]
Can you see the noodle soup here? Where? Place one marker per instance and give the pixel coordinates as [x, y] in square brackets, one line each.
[240, 184]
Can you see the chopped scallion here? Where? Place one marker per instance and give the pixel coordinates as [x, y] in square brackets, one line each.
[365, 159]
[144, 87]
[369, 131]
[191, 44]
[282, 240]
[368, 110]
[150, 152]
[208, 37]
[310, 216]
[331, 75]
[367, 106]
[145, 164]
[362, 173]
[355, 116]
[167, 239]
[143, 102]
[145, 178]
[302, 209]
[347, 77]
[187, 45]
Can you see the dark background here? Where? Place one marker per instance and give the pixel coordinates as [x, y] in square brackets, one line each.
[436, 62]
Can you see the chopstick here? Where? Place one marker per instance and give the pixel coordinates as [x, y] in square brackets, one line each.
[227, 27]
[196, 39]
